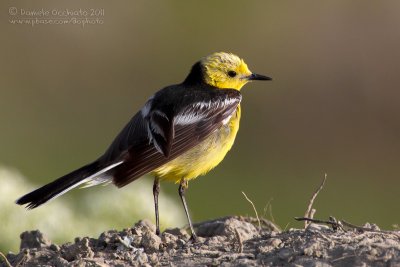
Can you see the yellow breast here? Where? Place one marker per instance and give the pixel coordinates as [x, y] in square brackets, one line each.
[203, 157]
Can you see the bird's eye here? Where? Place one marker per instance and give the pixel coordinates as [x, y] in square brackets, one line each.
[232, 73]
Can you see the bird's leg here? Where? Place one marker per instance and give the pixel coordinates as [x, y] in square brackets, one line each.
[156, 191]
[182, 188]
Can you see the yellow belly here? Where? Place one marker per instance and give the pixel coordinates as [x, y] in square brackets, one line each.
[203, 157]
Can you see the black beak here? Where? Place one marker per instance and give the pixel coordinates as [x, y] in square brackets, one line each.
[258, 77]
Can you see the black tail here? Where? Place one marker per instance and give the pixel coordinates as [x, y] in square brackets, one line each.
[58, 187]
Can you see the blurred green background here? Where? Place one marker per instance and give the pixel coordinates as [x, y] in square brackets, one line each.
[333, 106]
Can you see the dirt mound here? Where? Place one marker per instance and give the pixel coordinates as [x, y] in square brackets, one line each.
[230, 241]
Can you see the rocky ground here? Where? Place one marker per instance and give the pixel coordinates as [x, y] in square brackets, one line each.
[230, 241]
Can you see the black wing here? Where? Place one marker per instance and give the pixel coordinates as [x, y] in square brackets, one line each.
[170, 124]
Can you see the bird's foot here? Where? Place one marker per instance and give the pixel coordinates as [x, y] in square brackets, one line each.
[194, 238]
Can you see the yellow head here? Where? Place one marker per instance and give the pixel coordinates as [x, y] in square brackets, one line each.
[226, 70]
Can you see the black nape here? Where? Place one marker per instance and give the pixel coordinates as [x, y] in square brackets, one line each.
[196, 74]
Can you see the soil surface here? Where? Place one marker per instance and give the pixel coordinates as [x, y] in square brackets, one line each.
[230, 241]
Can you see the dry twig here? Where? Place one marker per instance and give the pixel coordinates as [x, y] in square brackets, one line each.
[239, 239]
[258, 219]
[4, 258]
[334, 223]
[343, 225]
[268, 208]
[310, 211]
